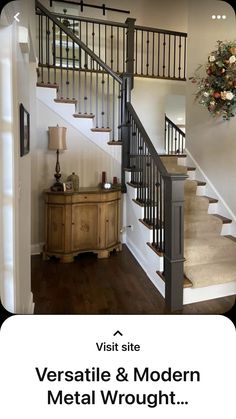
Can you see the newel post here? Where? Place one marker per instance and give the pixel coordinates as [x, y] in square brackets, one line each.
[130, 47]
[174, 241]
[125, 126]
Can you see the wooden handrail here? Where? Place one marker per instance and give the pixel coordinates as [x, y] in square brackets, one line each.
[147, 140]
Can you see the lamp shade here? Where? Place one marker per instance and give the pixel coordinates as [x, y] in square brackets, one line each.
[57, 138]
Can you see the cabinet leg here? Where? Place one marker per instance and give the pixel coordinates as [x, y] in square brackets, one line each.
[67, 259]
[103, 254]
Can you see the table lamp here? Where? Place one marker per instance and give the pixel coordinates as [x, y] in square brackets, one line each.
[57, 142]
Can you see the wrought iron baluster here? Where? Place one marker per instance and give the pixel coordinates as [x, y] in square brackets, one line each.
[61, 66]
[159, 51]
[124, 50]
[136, 51]
[96, 97]
[153, 54]
[117, 49]
[169, 51]
[142, 52]
[113, 106]
[91, 92]
[47, 49]
[174, 70]
[67, 67]
[180, 46]
[147, 58]
[164, 56]
[112, 38]
[108, 102]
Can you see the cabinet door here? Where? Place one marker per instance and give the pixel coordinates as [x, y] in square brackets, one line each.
[85, 227]
[55, 228]
[111, 223]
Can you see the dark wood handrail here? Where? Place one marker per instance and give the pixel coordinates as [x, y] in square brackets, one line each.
[77, 41]
[119, 24]
[147, 140]
[165, 31]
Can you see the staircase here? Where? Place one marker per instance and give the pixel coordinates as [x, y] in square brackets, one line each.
[91, 87]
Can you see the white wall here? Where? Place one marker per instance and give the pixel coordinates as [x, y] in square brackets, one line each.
[210, 141]
[22, 299]
[149, 100]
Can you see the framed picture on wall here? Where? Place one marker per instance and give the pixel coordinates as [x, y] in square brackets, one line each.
[24, 131]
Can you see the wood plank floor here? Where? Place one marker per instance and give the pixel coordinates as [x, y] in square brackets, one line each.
[116, 285]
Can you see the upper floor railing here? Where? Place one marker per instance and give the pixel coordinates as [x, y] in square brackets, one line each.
[174, 138]
[155, 53]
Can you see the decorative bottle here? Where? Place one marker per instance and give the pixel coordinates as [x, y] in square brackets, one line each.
[75, 181]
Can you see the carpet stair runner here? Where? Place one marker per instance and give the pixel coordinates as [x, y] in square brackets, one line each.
[210, 257]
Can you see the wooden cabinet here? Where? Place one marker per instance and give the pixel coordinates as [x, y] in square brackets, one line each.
[84, 221]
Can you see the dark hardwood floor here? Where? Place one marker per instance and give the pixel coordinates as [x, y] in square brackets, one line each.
[116, 285]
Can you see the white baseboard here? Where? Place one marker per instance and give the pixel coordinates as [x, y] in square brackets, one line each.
[152, 275]
[195, 295]
[37, 248]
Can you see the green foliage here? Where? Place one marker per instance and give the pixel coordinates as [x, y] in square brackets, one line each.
[217, 89]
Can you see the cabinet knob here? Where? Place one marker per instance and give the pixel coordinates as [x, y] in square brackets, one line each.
[73, 224]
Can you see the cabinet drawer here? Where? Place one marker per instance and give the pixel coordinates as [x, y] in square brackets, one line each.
[86, 198]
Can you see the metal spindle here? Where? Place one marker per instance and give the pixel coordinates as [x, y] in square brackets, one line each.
[153, 54]
[158, 60]
[142, 52]
[147, 64]
[112, 58]
[102, 112]
[174, 55]
[164, 56]
[117, 49]
[179, 57]
[61, 65]
[169, 50]
[96, 98]
[124, 55]
[67, 67]
[108, 101]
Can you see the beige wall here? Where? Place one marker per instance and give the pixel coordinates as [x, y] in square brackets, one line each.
[210, 141]
[149, 99]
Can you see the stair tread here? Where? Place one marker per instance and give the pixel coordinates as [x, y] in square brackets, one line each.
[132, 169]
[61, 100]
[114, 142]
[190, 168]
[224, 220]
[200, 182]
[150, 226]
[141, 204]
[211, 200]
[101, 129]
[54, 86]
[158, 252]
[83, 115]
[137, 185]
[187, 282]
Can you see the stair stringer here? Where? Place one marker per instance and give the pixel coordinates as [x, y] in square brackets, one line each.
[221, 206]
[46, 95]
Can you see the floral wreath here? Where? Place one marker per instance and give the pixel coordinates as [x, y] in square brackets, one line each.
[217, 90]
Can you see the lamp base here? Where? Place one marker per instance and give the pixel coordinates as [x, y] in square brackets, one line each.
[57, 187]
